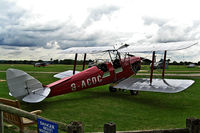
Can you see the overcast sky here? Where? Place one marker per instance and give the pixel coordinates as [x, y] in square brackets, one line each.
[42, 29]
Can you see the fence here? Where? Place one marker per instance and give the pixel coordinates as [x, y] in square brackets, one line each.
[192, 124]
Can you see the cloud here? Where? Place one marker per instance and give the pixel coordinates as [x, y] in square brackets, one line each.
[172, 30]
[57, 26]
[154, 20]
[176, 32]
[20, 28]
[97, 13]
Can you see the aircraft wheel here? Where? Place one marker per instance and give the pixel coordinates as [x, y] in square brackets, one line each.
[135, 93]
[112, 89]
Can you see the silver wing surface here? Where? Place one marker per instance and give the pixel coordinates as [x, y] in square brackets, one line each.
[158, 85]
[171, 46]
[65, 74]
[88, 50]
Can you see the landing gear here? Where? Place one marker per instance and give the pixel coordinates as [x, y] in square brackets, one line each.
[112, 89]
[133, 92]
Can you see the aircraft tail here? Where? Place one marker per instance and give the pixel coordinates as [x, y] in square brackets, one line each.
[24, 87]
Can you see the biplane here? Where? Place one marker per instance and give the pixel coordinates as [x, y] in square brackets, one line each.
[41, 64]
[118, 72]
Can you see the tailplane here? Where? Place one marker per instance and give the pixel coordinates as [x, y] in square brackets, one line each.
[24, 87]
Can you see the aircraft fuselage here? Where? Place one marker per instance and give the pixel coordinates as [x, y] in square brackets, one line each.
[96, 76]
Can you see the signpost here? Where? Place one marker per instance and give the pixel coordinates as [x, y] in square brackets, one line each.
[46, 126]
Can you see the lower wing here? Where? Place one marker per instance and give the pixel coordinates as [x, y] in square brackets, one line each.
[65, 74]
[158, 85]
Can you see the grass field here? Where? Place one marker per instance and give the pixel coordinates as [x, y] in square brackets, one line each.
[97, 106]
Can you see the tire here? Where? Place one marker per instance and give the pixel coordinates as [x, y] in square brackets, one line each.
[134, 93]
[112, 89]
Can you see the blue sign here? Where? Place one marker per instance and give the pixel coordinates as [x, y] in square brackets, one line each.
[47, 126]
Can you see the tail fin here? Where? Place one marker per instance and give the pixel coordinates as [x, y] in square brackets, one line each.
[24, 87]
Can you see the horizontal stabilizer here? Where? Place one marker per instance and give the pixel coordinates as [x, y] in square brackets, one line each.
[158, 85]
[65, 74]
[37, 95]
[24, 87]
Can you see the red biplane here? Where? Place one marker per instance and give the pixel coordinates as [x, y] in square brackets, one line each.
[117, 72]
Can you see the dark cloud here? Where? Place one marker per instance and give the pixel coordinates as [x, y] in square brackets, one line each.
[41, 28]
[9, 48]
[13, 31]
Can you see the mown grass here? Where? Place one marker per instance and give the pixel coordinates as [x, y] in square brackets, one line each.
[174, 68]
[97, 106]
[28, 67]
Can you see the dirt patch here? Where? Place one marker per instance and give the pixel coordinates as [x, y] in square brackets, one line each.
[1, 80]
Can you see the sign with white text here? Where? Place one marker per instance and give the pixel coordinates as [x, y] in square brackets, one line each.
[46, 126]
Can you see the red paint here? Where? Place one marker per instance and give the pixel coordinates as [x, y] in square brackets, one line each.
[92, 77]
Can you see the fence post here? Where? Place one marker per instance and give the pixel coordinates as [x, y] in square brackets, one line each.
[75, 127]
[110, 128]
[1, 122]
[193, 125]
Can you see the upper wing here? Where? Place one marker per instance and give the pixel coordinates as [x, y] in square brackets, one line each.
[133, 48]
[158, 85]
[88, 50]
[159, 46]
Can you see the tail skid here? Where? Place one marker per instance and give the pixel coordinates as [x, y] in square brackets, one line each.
[24, 87]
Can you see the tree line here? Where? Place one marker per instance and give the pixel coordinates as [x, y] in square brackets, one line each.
[79, 62]
[64, 61]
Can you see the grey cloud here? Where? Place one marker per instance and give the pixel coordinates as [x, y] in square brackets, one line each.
[9, 13]
[152, 20]
[97, 13]
[13, 32]
[15, 53]
[9, 48]
[168, 31]
[46, 28]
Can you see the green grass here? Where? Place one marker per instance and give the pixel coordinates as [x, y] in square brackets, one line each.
[97, 106]
[174, 68]
[50, 68]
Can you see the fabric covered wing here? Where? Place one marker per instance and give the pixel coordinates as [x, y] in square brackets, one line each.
[88, 50]
[159, 46]
[65, 74]
[24, 87]
[158, 85]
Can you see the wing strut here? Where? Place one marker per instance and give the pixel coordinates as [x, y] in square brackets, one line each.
[75, 60]
[152, 66]
[164, 63]
[110, 56]
[84, 61]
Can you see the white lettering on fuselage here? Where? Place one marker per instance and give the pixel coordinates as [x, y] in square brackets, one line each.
[87, 82]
